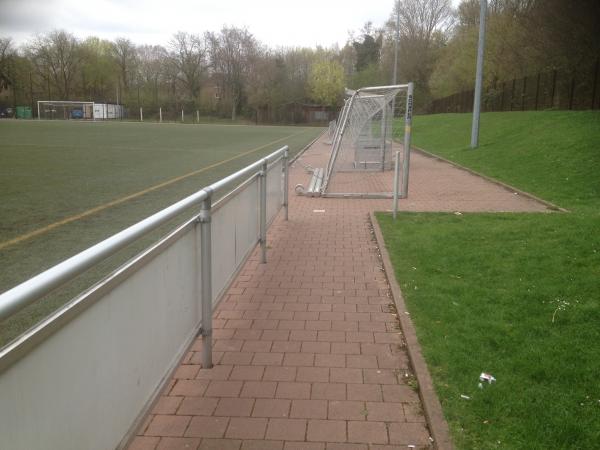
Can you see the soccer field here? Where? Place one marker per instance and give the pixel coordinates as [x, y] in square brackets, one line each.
[67, 185]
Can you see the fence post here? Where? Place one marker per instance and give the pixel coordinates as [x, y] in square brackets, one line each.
[286, 176]
[595, 82]
[553, 88]
[396, 179]
[197, 116]
[206, 278]
[141, 114]
[572, 90]
[512, 93]
[182, 119]
[160, 114]
[537, 91]
[524, 94]
[263, 211]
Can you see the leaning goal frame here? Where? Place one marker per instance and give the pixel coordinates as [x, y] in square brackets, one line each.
[343, 121]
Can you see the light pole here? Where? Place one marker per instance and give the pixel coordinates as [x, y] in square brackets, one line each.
[395, 80]
[478, 76]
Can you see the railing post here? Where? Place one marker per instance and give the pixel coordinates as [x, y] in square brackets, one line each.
[286, 181]
[396, 180]
[263, 211]
[206, 278]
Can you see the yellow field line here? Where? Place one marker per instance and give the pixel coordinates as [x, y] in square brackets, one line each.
[118, 201]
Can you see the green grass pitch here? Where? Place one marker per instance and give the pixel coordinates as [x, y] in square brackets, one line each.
[52, 171]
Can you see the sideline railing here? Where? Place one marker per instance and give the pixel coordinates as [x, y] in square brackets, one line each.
[84, 376]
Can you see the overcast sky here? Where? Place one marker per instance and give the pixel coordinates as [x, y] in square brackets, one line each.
[274, 22]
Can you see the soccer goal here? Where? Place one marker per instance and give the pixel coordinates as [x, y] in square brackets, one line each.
[366, 161]
[67, 110]
[64, 110]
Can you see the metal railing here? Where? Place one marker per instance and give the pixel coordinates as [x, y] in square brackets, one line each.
[114, 346]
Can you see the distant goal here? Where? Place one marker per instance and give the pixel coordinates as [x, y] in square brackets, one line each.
[76, 110]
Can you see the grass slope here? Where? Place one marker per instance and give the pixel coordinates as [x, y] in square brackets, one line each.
[553, 154]
[516, 295]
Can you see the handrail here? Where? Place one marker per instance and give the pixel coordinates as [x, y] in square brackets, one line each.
[42, 284]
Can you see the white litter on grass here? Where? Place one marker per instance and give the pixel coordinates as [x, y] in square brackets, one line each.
[487, 377]
[466, 397]
[457, 213]
[318, 210]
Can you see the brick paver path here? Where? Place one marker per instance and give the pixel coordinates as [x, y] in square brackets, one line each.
[307, 351]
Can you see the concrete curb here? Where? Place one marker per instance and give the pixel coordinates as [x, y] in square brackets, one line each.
[431, 404]
[506, 186]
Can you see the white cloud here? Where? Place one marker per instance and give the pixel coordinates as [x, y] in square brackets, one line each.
[274, 22]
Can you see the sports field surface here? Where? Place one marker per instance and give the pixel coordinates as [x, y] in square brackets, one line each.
[67, 185]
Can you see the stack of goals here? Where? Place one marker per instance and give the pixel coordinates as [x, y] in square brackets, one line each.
[366, 161]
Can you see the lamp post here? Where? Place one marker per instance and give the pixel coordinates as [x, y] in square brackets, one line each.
[478, 76]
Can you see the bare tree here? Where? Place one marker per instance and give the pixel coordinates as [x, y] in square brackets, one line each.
[188, 56]
[231, 53]
[420, 19]
[57, 58]
[152, 62]
[6, 62]
[124, 53]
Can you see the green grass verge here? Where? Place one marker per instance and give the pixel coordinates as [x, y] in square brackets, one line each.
[516, 295]
[50, 171]
[552, 154]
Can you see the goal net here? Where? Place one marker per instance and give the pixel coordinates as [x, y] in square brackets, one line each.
[363, 156]
[64, 110]
[75, 110]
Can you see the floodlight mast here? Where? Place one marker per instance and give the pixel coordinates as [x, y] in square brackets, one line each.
[478, 76]
[396, 41]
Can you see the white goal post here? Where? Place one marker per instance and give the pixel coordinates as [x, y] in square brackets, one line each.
[365, 160]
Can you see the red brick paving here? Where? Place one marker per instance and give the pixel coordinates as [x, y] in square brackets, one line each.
[307, 353]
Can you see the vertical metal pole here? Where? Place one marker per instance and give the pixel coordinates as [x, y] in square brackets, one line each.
[407, 136]
[141, 115]
[572, 90]
[383, 134]
[396, 181]
[537, 91]
[396, 41]
[263, 212]
[39, 118]
[553, 88]
[478, 76]
[206, 279]
[182, 116]
[286, 181]
[595, 82]
[160, 114]
[197, 116]
[524, 94]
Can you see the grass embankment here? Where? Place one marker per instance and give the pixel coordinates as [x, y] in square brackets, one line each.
[516, 295]
[77, 183]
